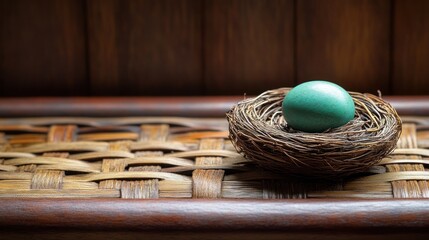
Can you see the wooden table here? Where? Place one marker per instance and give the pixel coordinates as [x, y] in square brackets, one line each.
[202, 218]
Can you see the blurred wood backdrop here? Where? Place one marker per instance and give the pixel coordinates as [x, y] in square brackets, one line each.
[211, 47]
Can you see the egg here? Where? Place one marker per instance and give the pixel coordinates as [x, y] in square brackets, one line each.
[317, 106]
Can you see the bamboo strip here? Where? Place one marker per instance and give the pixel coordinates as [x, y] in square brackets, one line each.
[108, 136]
[412, 151]
[165, 146]
[350, 194]
[26, 184]
[103, 154]
[199, 135]
[59, 193]
[204, 153]
[46, 160]
[23, 127]
[125, 175]
[15, 184]
[15, 176]
[27, 139]
[159, 160]
[395, 176]
[70, 167]
[7, 168]
[208, 167]
[252, 175]
[15, 155]
[67, 147]
[386, 161]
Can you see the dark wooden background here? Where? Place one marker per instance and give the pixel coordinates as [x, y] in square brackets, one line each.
[211, 47]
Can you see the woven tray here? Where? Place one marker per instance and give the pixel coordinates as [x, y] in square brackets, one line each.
[164, 157]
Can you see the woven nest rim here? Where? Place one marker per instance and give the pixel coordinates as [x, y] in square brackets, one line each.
[259, 131]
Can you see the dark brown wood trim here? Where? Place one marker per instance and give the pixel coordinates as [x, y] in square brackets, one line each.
[117, 106]
[157, 106]
[410, 105]
[219, 215]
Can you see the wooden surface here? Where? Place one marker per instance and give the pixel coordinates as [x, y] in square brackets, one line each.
[145, 47]
[248, 43]
[214, 106]
[42, 48]
[411, 48]
[203, 215]
[193, 47]
[194, 217]
[346, 42]
[209, 235]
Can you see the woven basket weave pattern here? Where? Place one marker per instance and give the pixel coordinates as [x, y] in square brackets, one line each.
[178, 158]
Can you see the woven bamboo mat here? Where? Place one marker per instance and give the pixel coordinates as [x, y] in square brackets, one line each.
[165, 157]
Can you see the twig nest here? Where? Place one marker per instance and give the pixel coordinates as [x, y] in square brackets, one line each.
[259, 131]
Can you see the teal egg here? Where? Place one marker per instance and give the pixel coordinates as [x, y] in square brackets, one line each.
[316, 106]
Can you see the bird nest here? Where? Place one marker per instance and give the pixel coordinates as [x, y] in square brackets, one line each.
[259, 131]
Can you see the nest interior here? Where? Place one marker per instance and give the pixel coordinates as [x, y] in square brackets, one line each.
[259, 131]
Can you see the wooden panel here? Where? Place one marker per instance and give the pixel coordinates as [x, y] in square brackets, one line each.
[248, 46]
[411, 47]
[145, 47]
[42, 48]
[346, 42]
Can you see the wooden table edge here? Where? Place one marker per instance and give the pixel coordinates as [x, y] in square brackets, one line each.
[202, 106]
[339, 215]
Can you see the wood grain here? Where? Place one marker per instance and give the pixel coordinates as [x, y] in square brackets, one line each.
[248, 46]
[358, 216]
[211, 47]
[213, 106]
[42, 48]
[145, 47]
[411, 48]
[65, 234]
[346, 42]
